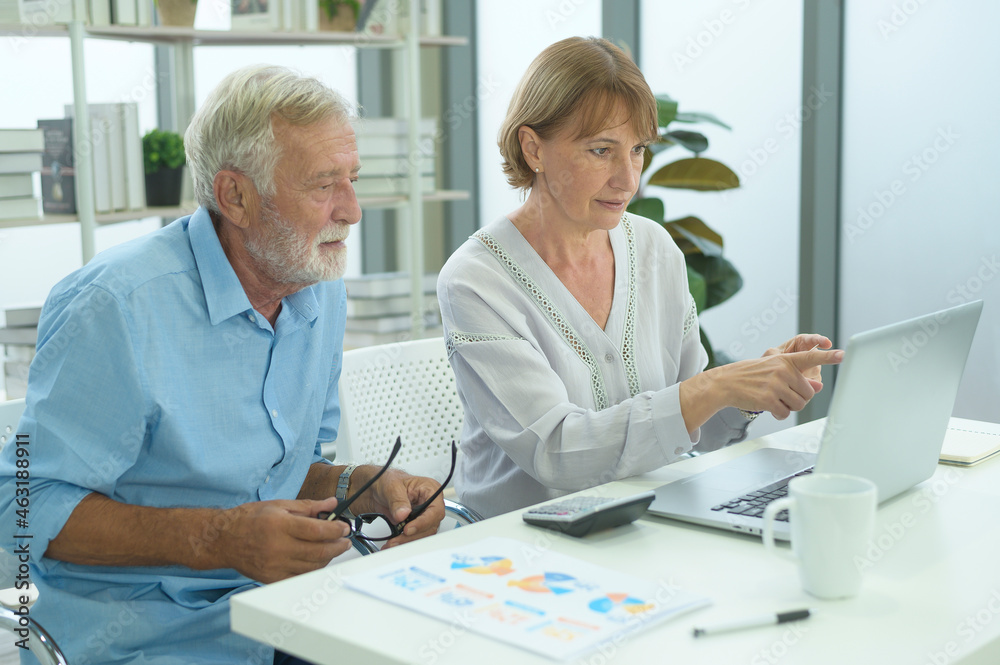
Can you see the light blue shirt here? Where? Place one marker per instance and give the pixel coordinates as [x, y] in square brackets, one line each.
[156, 383]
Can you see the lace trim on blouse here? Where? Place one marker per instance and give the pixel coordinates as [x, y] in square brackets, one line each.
[628, 340]
[691, 318]
[551, 312]
[457, 339]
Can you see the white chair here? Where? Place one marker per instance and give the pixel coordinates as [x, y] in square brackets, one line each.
[39, 641]
[405, 389]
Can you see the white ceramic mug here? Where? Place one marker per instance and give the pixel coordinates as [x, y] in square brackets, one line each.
[831, 516]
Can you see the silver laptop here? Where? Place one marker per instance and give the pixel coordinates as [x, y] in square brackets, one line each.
[893, 398]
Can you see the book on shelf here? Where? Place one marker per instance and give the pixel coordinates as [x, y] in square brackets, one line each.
[367, 308]
[390, 185]
[22, 317]
[47, 12]
[144, 13]
[256, 15]
[396, 165]
[357, 340]
[119, 179]
[124, 12]
[20, 162]
[26, 207]
[386, 285]
[22, 140]
[100, 12]
[391, 324]
[10, 11]
[58, 167]
[291, 15]
[14, 185]
[389, 137]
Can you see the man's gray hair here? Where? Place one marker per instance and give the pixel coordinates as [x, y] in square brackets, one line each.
[232, 129]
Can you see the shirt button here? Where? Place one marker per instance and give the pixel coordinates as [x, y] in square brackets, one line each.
[252, 318]
[678, 451]
[267, 479]
[274, 413]
[609, 358]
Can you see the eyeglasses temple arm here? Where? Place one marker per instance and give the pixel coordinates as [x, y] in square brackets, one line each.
[341, 507]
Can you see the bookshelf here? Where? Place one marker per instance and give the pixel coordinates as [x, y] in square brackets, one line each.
[181, 42]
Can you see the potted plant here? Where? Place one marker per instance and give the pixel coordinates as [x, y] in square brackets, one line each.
[163, 160]
[178, 13]
[339, 15]
[711, 277]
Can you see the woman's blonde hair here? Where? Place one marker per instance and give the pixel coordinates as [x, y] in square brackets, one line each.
[576, 80]
[232, 130]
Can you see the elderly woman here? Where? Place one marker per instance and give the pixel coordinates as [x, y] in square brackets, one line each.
[569, 323]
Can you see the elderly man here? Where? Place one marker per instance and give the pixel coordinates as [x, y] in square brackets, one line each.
[182, 387]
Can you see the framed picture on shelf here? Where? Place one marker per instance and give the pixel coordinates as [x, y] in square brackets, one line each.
[256, 14]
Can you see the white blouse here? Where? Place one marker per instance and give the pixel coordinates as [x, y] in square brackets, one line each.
[553, 403]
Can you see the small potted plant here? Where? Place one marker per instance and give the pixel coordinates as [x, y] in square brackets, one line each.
[339, 15]
[177, 13]
[163, 159]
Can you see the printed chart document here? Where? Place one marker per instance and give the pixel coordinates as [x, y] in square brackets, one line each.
[539, 600]
[969, 442]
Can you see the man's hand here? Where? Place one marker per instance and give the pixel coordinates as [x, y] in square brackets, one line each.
[394, 495]
[270, 540]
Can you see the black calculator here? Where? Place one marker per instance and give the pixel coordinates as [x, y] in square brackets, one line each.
[581, 515]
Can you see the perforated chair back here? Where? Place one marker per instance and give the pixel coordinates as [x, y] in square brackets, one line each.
[405, 389]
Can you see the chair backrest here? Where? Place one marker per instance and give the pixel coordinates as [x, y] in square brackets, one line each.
[405, 389]
[10, 414]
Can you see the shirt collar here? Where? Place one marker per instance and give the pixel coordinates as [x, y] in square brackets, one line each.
[224, 294]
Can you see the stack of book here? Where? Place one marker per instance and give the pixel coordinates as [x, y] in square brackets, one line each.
[115, 154]
[20, 159]
[386, 159]
[18, 338]
[379, 308]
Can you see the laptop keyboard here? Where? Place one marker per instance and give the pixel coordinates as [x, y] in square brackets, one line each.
[752, 504]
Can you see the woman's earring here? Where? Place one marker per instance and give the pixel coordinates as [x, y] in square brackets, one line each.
[537, 169]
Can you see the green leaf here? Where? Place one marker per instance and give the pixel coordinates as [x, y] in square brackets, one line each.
[698, 173]
[651, 208]
[697, 116]
[702, 238]
[162, 150]
[666, 110]
[722, 280]
[698, 288]
[693, 141]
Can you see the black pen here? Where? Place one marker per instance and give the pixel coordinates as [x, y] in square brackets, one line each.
[753, 622]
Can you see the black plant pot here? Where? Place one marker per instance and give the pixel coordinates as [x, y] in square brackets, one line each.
[163, 188]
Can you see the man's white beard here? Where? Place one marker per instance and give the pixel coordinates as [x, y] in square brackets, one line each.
[287, 257]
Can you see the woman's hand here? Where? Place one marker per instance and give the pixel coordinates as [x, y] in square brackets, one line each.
[804, 342]
[782, 381]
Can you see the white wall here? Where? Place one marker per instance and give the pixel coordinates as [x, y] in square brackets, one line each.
[742, 62]
[920, 196]
[509, 36]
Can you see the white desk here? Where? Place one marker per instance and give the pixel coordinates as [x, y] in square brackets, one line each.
[931, 595]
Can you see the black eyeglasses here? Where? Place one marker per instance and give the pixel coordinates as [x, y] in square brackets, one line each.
[376, 526]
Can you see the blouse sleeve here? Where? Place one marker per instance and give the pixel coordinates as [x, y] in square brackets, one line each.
[510, 389]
